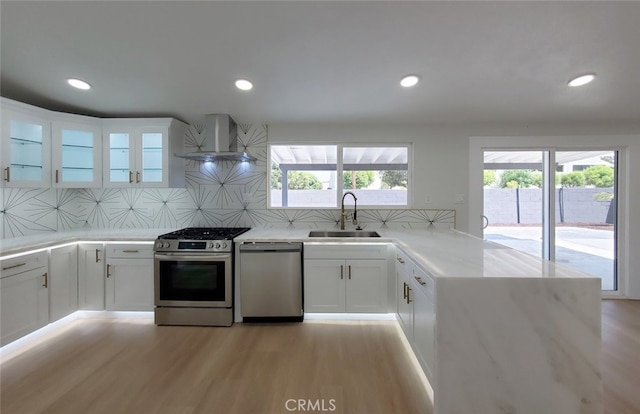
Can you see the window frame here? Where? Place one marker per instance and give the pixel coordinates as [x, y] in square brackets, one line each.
[339, 171]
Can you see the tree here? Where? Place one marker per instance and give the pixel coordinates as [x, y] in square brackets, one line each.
[599, 176]
[394, 178]
[511, 184]
[362, 179]
[489, 177]
[536, 179]
[301, 180]
[523, 178]
[276, 177]
[572, 179]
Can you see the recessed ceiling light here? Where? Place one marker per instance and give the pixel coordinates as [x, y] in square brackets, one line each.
[409, 81]
[582, 80]
[77, 83]
[244, 85]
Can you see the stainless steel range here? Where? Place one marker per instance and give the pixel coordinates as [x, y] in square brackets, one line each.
[193, 271]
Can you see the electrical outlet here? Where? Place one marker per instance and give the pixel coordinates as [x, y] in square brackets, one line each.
[459, 198]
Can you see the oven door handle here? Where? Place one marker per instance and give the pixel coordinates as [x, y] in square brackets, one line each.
[182, 256]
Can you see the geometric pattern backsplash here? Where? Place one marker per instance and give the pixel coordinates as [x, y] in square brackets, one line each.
[221, 194]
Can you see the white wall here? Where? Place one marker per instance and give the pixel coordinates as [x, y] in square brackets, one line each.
[445, 165]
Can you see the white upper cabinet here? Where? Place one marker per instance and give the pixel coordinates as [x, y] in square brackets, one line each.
[77, 153]
[42, 148]
[26, 146]
[139, 152]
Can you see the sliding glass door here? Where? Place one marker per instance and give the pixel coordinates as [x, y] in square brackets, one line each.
[513, 199]
[557, 205]
[585, 226]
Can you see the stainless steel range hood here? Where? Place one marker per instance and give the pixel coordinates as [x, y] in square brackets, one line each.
[220, 143]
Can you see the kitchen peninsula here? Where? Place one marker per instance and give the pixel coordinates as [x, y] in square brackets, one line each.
[513, 333]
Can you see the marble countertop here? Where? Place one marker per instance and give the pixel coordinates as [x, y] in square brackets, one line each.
[19, 245]
[442, 253]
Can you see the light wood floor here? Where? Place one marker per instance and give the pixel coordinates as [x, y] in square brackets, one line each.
[621, 356]
[101, 366]
[132, 366]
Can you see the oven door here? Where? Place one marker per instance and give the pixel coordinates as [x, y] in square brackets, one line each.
[193, 280]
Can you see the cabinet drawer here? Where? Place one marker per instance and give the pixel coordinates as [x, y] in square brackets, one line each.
[130, 251]
[345, 251]
[404, 264]
[424, 282]
[21, 264]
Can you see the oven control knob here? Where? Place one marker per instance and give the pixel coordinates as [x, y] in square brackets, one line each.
[218, 245]
[211, 245]
[224, 245]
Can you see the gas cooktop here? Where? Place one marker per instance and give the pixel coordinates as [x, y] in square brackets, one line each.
[200, 239]
[205, 233]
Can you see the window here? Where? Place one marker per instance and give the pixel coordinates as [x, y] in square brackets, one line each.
[316, 176]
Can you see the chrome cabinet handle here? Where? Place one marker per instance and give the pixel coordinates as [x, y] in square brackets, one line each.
[130, 177]
[108, 271]
[400, 260]
[137, 176]
[419, 279]
[404, 290]
[485, 223]
[349, 272]
[408, 295]
[97, 255]
[130, 251]
[46, 280]
[57, 176]
[341, 272]
[7, 174]
[14, 266]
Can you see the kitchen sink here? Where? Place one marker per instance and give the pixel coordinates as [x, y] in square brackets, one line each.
[343, 233]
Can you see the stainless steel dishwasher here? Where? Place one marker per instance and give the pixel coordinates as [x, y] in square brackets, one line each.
[271, 282]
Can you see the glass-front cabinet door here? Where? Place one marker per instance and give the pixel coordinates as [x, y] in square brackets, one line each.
[152, 151]
[138, 152]
[119, 159]
[26, 146]
[77, 156]
[135, 157]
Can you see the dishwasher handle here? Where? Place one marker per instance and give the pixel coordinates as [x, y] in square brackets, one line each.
[270, 247]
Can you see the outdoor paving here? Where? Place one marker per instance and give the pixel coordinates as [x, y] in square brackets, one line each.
[588, 250]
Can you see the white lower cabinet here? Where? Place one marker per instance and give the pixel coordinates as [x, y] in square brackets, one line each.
[416, 310]
[324, 286]
[91, 276]
[129, 277]
[63, 281]
[339, 284]
[332, 285]
[366, 283]
[424, 331]
[24, 295]
[404, 271]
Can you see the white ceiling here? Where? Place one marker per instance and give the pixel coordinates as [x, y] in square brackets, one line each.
[326, 61]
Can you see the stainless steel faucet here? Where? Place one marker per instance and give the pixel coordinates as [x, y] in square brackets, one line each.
[343, 215]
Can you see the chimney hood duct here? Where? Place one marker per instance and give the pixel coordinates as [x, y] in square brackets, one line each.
[220, 143]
